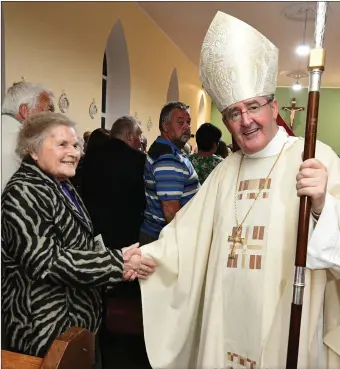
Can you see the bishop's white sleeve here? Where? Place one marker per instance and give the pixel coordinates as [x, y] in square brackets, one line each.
[324, 237]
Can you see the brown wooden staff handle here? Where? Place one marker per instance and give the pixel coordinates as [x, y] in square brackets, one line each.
[316, 67]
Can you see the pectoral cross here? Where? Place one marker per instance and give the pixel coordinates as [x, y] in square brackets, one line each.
[293, 109]
[236, 239]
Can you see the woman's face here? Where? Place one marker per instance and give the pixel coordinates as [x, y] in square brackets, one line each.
[59, 153]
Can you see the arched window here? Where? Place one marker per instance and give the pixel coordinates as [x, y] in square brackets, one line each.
[116, 77]
[173, 89]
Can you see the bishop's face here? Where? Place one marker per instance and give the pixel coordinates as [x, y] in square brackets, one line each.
[252, 123]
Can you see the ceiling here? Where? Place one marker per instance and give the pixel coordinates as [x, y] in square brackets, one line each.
[186, 24]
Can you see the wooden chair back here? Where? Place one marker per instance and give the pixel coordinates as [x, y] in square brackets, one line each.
[72, 350]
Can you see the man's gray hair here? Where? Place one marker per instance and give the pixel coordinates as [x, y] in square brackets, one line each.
[269, 98]
[35, 129]
[126, 123]
[23, 93]
[167, 110]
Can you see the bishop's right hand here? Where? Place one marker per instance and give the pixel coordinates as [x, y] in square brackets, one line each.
[135, 264]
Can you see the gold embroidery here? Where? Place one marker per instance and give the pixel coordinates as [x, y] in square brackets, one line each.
[250, 255]
[254, 247]
[261, 233]
[255, 261]
[235, 360]
[265, 195]
[236, 239]
[262, 183]
[254, 184]
[258, 233]
[246, 183]
[232, 263]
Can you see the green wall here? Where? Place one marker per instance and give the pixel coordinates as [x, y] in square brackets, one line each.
[216, 119]
[328, 122]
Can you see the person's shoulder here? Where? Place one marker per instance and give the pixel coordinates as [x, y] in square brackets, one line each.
[223, 171]
[138, 153]
[193, 156]
[217, 158]
[96, 152]
[227, 166]
[138, 157]
[9, 122]
[126, 152]
[323, 152]
[320, 147]
[169, 162]
[159, 149]
[163, 154]
[25, 180]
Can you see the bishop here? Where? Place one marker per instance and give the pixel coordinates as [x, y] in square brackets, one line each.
[199, 311]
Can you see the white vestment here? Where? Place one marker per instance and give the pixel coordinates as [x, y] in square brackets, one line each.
[203, 310]
[10, 161]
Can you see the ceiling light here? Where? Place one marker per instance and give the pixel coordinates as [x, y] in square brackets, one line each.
[297, 86]
[302, 50]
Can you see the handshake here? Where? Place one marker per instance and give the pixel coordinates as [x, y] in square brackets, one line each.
[136, 265]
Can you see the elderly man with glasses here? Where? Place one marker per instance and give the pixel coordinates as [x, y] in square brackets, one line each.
[221, 295]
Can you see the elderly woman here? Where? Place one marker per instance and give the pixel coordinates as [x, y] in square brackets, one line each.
[53, 270]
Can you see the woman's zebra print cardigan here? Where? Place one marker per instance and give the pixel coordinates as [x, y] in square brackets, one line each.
[52, 272]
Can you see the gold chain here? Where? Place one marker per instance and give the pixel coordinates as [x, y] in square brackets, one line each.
[239, 226]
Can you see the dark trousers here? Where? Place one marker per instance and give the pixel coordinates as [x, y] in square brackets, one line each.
[121, 336]
[125, 351]
[97, 354]
[145, 238]
[122, 350]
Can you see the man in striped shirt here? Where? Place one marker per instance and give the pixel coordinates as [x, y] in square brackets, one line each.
[170, 179]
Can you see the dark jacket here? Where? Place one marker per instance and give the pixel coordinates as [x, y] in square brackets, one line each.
[112, 187]
[52, 270]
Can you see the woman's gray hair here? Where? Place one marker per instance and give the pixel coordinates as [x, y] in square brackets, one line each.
[34, 130]
[23, 93]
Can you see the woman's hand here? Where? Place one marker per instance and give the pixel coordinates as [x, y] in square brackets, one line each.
[136, 265]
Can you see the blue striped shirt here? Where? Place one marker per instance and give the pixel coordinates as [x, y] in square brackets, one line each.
[168, 175]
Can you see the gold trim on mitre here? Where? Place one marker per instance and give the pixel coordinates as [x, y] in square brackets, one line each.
[237, 62]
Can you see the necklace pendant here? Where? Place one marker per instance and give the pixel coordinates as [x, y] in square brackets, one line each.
[236, 240]
[232, 254]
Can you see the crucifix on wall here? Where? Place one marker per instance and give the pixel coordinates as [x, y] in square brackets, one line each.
[293, 109]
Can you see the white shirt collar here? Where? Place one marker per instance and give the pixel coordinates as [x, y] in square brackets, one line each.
[273, 147]
[9, 123]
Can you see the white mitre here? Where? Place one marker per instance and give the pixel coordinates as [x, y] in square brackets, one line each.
[237, 62]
